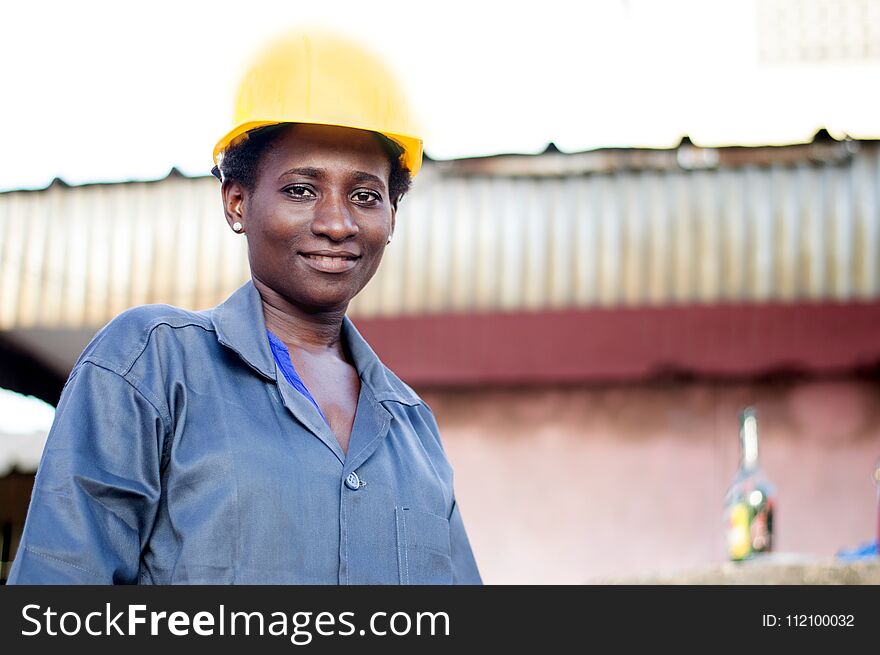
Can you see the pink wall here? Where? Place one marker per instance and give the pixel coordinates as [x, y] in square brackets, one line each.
[565, 485]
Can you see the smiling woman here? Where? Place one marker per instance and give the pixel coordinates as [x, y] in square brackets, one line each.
[317, 218]
[262, 441]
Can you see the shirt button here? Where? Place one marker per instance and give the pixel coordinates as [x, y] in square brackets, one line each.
[353, 482]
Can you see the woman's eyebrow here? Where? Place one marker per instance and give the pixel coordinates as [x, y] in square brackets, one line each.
[318, 173]
[305, 171]
[361, 176]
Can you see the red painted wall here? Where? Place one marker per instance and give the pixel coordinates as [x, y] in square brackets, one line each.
[572, 484]
[628, 344]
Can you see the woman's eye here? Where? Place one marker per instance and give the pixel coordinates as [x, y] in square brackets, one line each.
[365, 196]
[298, 191]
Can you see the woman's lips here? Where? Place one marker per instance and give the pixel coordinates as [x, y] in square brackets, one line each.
[328, 264]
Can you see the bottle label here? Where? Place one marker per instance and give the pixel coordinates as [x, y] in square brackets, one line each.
[738, 532]
[749, 529]
[762, 528]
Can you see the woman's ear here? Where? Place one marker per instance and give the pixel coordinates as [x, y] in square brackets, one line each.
[393, 218]
[233, 203]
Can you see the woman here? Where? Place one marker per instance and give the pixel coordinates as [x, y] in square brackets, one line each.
[262, 441]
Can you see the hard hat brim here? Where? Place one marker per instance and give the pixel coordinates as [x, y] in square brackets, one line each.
[411, 158]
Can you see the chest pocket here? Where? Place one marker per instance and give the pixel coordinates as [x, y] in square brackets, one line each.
[423, 550]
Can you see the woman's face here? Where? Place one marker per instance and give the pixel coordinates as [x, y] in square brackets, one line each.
[319, 216]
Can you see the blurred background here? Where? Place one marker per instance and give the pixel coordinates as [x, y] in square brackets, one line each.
[636, 218]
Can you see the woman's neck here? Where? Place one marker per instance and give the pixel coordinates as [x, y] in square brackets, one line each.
[316, 332]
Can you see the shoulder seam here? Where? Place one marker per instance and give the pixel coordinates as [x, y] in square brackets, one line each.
[135, 384]
[139, 349]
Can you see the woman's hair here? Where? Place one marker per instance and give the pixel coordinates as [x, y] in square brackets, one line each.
[240, 162]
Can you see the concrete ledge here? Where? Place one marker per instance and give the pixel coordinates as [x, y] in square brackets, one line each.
[775, 569]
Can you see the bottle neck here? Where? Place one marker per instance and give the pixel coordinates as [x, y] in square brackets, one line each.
[749, 442]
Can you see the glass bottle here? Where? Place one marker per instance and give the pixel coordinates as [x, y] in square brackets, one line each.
[749, 504]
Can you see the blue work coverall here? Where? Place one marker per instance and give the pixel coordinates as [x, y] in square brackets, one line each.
[180, 454]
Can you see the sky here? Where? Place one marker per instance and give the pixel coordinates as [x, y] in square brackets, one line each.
[111, 91]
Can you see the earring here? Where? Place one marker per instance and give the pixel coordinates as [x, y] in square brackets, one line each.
[389, 240]
[237, 226]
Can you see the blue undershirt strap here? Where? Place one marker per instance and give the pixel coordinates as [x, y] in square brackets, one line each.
[282, 357]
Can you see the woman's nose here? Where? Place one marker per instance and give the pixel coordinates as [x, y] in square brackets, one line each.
[333, 218]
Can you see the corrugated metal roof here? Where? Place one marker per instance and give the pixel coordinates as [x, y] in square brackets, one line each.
[599, 229]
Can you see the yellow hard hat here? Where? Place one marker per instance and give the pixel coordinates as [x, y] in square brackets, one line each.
[317, 77]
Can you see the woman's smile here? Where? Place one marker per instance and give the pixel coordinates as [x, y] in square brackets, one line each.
[330, 262]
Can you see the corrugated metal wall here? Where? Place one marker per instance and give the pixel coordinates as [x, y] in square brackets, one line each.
[79, 256]
[795, 230]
